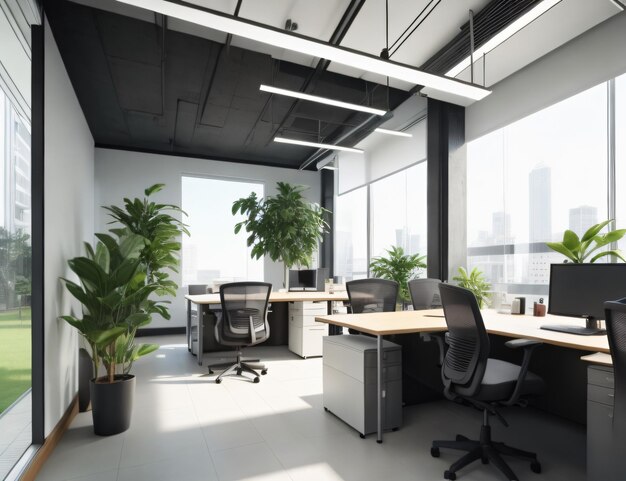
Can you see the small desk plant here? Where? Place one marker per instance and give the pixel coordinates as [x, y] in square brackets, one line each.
[285, 227]
[118, 280]
[400, 267]
[474, 281]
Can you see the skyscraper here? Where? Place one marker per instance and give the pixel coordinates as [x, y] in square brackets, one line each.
[581, 218]
[540, 204]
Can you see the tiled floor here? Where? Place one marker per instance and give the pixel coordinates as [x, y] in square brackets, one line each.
[187, 428]
[15, 433]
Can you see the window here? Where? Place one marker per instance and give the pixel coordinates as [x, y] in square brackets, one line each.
[620, 155]
[351, 235]
[15, 286]
[398, 212]
[214, 252]
[529, 182]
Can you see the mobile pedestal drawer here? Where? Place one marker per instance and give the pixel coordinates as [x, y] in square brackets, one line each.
[600, 395]
[350, 384]
[305, 335]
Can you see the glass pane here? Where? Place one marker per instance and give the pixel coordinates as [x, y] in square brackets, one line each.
[388, 213]
[620, 155]
[529, 182]
[416, 211]
[350, 219]
[15, 286]
[214, 251]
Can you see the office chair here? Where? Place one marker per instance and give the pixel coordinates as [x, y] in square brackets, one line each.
[371, 295]
[425, 295]
[192, 327]
[615, 316]
[471, 376]
[243, 323]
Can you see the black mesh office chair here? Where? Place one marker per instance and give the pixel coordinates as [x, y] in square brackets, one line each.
[615, 315]
[470, 375]
[425, 295]
[371, 295]
[243, 323]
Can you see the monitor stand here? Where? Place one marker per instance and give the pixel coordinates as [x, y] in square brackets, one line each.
[591, 328]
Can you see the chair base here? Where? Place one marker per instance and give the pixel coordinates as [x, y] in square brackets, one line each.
[487, 451]
[250, 366]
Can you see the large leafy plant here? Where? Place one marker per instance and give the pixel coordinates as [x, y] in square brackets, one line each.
[400, 267]
[475, 282]
[157, 224]
[115, 297]
[286, 227]
[578, 249]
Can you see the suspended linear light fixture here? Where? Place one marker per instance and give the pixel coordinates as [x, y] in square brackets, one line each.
[439, 87]
[397, 133]
[285, 140]
[504, 35]
[321, 100]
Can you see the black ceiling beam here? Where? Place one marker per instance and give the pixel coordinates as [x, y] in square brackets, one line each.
[338, 35]
[495, 16]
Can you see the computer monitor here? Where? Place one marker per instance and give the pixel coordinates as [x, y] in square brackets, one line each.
[307, 279]
[580, 290]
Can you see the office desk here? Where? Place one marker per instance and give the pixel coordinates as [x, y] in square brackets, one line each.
[214, 299]
[507, 325]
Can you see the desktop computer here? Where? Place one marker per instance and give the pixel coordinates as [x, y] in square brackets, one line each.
[580, 290]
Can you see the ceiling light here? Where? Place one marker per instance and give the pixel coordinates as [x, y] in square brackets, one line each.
[503, 35]
[393, 132]
[329, 163]
[284, 140]
[440, 87]
[321, 100]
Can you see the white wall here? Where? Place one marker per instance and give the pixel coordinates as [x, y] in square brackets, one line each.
[594, 57]
[69, 220]
[122, 174]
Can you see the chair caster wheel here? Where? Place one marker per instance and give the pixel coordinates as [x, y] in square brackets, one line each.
[326, 409]
[257, 380]
[211, 371]
[362, 436]
[394, 429]
[264, 372]
[218, 381]
[535, 467]
[449, 475]
[484, 460]
[434, 452]
[239, 371]
[460, 437]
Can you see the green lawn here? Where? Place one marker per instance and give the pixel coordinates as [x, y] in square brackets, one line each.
[15, 346]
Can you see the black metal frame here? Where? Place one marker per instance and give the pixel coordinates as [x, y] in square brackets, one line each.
[37, 243]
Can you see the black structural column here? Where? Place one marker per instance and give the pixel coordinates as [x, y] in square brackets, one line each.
[328, 202]
[37, 200]
[446, 133]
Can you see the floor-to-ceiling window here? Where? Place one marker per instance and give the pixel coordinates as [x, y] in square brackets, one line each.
[351, 234]
[15, 285]
[214, 252]
[530, 181]
[619, 134]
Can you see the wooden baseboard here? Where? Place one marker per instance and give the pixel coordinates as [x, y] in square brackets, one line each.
[31, 472]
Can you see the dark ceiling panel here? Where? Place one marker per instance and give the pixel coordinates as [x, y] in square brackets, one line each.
[143, 87]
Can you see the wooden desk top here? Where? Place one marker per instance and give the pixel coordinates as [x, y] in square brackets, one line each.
[508, 325]
[277, 297]
[600, 358]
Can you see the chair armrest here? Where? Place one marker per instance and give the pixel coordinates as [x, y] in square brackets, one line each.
[517, 343]
[529, 346]
[438, 338]
[252, 331]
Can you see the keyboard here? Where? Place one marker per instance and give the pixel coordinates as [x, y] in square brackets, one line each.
[578, 330]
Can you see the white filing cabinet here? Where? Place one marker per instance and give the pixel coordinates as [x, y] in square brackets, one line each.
[305, 335]
[350, 382]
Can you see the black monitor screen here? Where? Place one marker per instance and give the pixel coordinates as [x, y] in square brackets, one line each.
[307, 278]
[580, 290]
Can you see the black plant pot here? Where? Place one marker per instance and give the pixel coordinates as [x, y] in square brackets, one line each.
[112, 405]
[85, 372]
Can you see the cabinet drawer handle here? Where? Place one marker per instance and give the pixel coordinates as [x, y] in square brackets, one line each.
[611, 395]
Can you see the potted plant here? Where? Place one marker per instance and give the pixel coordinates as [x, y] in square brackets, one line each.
[118, 280]
[285, 227]
[115, 299]
[400, 267]
[475, 282]
[578, 249]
